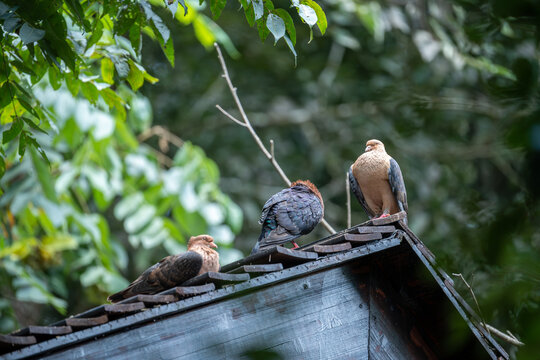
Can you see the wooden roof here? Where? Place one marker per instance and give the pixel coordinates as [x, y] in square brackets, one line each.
[388, 236]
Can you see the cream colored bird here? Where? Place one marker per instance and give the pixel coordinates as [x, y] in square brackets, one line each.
[377, 182]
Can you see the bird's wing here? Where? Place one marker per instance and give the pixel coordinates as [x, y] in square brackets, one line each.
[296, 216]
[395, 178]
[170, 271]
[275, 199]
[355, 187]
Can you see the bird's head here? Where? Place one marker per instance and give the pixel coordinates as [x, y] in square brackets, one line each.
[311, 187]
[374, 144]
[201, 240]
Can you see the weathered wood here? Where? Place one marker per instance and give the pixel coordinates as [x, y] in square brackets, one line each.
[185, 291]
[274, 254]
[218, 279]
[375, 229]
[257, 269]
[306, 318]
[114, 309]
[184, 306]
[360, 238]
[329, 249]
[150, 300]
[389, 331]
[43, 330]
[389, 219]
[8, 341]
[86, 322]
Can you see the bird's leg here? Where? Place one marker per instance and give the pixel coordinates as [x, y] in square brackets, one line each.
[295, 245]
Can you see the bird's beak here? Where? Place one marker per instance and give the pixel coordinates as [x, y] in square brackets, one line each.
[213, 245]
[368, 148]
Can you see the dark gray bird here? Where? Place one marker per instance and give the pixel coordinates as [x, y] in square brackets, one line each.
[173, 270]
[377, 182]
[289, 214]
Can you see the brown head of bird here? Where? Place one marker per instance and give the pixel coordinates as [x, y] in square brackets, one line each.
[201, 241]
[311, 187]
[374, 145]
[204, 245]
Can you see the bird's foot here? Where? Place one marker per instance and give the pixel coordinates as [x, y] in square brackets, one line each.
[295, 245]
[383, 216]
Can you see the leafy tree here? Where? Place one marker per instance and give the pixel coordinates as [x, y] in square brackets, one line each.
[85, 203]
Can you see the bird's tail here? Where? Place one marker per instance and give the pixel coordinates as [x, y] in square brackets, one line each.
[258, 243]
[255, 248]
[119, 296]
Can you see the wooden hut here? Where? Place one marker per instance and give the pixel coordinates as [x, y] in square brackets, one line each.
[373, 291]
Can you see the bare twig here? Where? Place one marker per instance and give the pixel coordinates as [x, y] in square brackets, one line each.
[474, 298]
[490, 329]
[508, 338]
[348, 192]
[162, 133]
[247, 124]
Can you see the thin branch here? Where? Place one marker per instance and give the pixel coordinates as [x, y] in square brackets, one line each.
[348, 192]
[162, 133]
[230, 116]
[247, 124]
[474, 298]
[272, 148]
[508, 338]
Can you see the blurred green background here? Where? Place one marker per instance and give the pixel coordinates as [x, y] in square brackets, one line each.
[451, 88]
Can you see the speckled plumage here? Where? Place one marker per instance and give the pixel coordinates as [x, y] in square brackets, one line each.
[289, 214]
[377, 182]
[173, 270]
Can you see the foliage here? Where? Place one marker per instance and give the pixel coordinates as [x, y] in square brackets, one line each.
[92, 46]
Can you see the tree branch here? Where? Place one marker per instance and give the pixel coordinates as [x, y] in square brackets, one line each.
[508, 338]
[247, 124]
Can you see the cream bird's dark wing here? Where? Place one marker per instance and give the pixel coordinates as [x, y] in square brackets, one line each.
[355, 188]
[395, 178]
[170, 271]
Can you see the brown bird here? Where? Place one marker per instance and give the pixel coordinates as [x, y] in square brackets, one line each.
[289, 214]
[377, 182]
[173, 270]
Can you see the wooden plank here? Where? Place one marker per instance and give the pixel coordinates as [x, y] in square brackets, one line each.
[150, 300]
[43, 330]
[185, 291]
[86, 322]
[306, 318]
[389, 219]
[180, 307]
[375, 229]
[273, 254]
[329, 249]
[360, 238]
[11, 340]
[123, 308]
[257, 269]
[217, 278]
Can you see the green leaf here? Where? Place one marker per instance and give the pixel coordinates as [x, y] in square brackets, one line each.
[2, 167]
[97, 32]
[263, 30]
[54, 75]
[5, 97]
[14, 130]
[168, 50]
[22, 144]
[90, 92]
[135, 77]
[291, 47]
[29, 34]
[258, 8]
[33, 125]
[308, 14]
[216, 6]
[73, 84]
[321, 16]
[248, 11]
[107, 70]
[289, 23]
[276, 25]
[162, 31]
